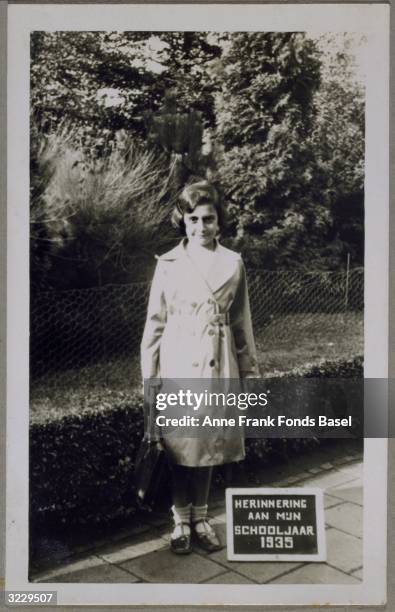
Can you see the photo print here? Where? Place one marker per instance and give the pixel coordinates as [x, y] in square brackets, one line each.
[200, 221]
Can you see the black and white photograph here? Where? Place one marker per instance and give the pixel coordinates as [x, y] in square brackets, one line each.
[197, 210]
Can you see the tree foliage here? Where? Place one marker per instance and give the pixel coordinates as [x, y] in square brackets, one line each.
[337, 139]
[187, 57]
[113, 80]
[94, 79]
[290, 150]
[268, 92]
[276, 118]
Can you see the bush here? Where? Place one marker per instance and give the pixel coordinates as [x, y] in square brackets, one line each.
[261, 451]
[96, 220]
[81, 466]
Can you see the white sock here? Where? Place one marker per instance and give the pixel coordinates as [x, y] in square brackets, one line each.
[182, 518]
[199, 513]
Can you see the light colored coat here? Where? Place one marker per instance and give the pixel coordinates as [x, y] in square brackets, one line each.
[199, 327]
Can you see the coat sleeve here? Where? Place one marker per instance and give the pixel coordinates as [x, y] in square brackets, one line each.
[241, 325]
[154, 326]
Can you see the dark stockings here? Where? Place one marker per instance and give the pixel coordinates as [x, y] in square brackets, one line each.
[191, 484]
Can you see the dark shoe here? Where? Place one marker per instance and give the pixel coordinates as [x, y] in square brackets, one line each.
[207, 539]
[181, 545]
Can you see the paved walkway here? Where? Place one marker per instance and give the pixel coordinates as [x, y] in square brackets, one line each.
[145, 556]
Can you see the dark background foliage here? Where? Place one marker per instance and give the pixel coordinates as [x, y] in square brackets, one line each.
[276, 119]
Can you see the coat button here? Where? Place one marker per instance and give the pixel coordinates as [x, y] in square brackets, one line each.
[211, 332]
[212, 363]
[195, 364]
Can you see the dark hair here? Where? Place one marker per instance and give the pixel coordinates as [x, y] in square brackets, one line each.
[195, 194]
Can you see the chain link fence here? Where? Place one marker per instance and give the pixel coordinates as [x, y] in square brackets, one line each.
[92, 336]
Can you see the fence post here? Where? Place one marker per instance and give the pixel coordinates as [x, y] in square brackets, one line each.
[347, 282]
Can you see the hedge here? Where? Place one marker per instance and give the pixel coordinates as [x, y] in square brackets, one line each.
[81, 466]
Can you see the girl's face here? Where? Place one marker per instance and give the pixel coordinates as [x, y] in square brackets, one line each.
[201, 225]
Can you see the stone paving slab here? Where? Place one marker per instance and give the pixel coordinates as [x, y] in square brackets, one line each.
[317, 573]
[291, 480]
[354, 470]
[92, 562]
[355, 481]
[344, 551]
[105, 573]
[352, 493]
[339, 461]
[330, 501]
[347, 517]
[301, 476]
[117, 553]
[260, 571]
[326, 466]
[331, 479]
[230, 578]
[164, 566]
[219, 519]
[315, 470]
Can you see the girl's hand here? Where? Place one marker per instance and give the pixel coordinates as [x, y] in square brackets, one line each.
[156, 440]
[159, 444]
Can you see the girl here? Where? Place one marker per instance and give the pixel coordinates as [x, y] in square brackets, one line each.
[198, 326]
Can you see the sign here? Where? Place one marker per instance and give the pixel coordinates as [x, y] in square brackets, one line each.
[273, 524]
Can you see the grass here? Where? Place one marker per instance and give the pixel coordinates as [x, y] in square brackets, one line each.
[293, 342]
[297, 341]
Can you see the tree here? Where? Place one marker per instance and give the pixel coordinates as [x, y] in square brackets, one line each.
[106, 81]
[289, 146]
[265, 111]
[98, 81]
[338, 142]
[186, 58]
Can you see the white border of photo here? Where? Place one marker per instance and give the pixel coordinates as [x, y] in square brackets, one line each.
[372, 20]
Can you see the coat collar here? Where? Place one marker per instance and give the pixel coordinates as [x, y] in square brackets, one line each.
[224, 268]
[180, 251]
[175, 253]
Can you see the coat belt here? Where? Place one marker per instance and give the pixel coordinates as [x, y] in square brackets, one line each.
[221, 318]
